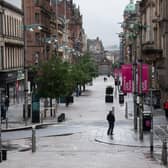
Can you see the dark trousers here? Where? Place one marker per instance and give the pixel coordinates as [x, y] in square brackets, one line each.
[166, 113]
[110, 129]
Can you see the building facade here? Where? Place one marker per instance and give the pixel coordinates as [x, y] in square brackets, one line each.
[11, 48]
[150, 27]
[155, 42]
[37, 13]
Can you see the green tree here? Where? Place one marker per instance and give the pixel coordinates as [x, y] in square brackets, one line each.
[54, 79]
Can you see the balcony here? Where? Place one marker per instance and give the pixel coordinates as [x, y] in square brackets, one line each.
[151, 51]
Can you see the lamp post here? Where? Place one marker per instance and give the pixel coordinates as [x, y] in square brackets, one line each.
[135, 86]
[0, 128]
[151, 130]
[140, 104]
[25, 70]
[25, 27]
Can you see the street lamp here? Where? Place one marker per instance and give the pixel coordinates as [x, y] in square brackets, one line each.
[132, 35]
[25, 28]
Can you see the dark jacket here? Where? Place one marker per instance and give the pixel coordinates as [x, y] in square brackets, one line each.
[7, 102]
[110, 117]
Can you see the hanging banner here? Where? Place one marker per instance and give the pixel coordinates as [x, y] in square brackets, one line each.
[126, 78]
[145, 78]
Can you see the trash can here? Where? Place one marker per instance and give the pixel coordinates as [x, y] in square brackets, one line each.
[35, 109]
[62, 100]
[116, 82]
[109, 90]
[109, 98]
[4, 154]
[29, 111]
[147, 121]
[70, 99]
[121, 98]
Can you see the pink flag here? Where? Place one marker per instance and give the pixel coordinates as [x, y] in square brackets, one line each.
[145, 78]
[127, 78]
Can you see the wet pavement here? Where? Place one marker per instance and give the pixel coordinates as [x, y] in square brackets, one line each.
[81, 141]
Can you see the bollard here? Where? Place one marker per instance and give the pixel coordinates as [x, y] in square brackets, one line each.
[41, 116]
[4, 154]
[126, 110]
[0, 155]
[164, 152]
[6, 123]
[33, 138]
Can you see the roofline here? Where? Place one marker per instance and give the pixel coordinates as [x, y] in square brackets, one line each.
[10, 6]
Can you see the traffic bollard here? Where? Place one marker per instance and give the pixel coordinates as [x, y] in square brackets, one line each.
[33, 138]
[6, 123]
[164, 152]
[126, 110]
[0, 156]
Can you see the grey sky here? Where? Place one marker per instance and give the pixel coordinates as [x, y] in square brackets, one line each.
[100, 18]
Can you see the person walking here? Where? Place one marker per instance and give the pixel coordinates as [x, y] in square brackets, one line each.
[6, 102]
[166, 108]
[111, 120]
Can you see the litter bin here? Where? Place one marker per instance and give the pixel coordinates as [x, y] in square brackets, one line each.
[62, 100]
[147, 121]
[70, 99]
[35, 109]
[109, 98]
[109, 90]
[121, 98]
[116, 82]
[29, 111]
[4, 154]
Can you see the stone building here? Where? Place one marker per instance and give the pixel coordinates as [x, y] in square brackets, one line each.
[37, 13]
[148, 27]
[95, 47]
[128, 39]
[154, 15]
[11, 48]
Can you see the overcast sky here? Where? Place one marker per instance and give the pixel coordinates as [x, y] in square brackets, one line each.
[100, 18]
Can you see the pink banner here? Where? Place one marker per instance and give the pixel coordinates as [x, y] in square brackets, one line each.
[145, 78]
[127, 78]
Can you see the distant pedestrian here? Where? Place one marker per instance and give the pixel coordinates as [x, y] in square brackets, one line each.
[6, 102]
[166, 108]
[3, 108]
[111, 120]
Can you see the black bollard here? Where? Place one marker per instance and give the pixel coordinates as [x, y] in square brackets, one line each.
[164, 152]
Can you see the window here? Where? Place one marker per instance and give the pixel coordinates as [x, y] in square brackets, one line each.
[1, 57]
[36, 57]
[36, 2]
[37, 37]
[37, 17]
[1, 24]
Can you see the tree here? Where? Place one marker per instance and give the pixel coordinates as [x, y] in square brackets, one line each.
[88, 67]
[54, 79]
